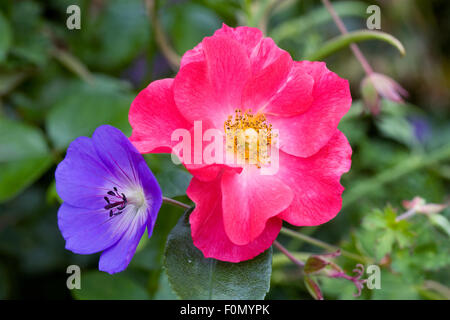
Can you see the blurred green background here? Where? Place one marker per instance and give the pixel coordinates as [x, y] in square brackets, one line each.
[57, 84]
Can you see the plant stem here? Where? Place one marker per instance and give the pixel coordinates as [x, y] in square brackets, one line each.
[406, 215]
[349, 38]
[324, 245]
[278, 245]
[172, 57]
[340, 24]
[264, 16]
[175, 203]
[438, 287]
[72, 63]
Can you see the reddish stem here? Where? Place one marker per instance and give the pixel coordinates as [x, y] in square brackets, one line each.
[288, 254]
[356, 51]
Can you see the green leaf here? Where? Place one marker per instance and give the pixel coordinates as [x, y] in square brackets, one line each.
[115, 37]
[174, 182]
[397, 128]
[24, 157]
[85, 107]
[172, 178]
[440, 221]
[5, 37]
[164, 291]
[390, 285]
[51, 195]
[188, 24]
[383, 244]
[97, 285]
[31, 42]
[9, 80]
[192, 276]
[345, 40]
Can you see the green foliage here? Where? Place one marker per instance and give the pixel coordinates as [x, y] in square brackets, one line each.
[5, 37]
[84, 107]
[99, 285]
[383, 232]
[24, 157]
[57, 84]
[30, 40]
[189, 23]
[409, 252]
[111, 38]
[192, 276]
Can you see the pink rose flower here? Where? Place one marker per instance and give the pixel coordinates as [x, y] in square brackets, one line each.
[238, 81]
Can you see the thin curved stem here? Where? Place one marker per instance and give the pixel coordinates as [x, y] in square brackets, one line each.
[340, 24]
[291, 257]
[350, 38]
[175, 203]
[406, 215]
[266, 13]
[324, 245]
[294, 234]
[161, 39]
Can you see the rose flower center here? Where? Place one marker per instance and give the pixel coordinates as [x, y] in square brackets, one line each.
[249, 137]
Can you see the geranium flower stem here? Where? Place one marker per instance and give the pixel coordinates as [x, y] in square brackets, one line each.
[278, 245]
[175, 203]
[324, 245]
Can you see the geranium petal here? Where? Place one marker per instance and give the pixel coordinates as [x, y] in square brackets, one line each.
[89, 231]
[116, 258]
[81, 178]
[152, 193]
[117, 153]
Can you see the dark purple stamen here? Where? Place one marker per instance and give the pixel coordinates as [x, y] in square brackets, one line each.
[119, 206]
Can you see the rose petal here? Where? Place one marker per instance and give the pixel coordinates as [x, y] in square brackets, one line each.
[211, 90]
[208, 231]
[249, 200]
[316, 182]
[304, 134]
[154, 117]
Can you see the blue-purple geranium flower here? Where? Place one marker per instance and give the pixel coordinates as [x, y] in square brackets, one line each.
[110, 196]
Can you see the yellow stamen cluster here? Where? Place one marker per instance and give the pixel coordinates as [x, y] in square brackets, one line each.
[249, 137]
